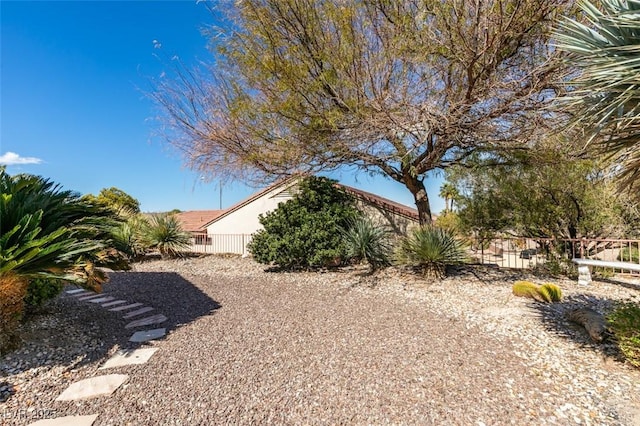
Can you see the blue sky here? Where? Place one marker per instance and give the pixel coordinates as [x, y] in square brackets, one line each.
[73, 108]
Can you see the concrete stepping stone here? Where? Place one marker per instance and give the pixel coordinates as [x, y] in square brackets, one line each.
[93, 296]
[92, 387]
[138, 312]
[129, 357]
[115, 302]
[67, 421]
[154, 319]
[122, 308]
[146, 335]
[76, 290]
[102, 299]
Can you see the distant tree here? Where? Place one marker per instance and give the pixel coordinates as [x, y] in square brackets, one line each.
[306, 231]
[546, 194]
[449, 193]
[399, 88]
[117, 200]
[606, 96]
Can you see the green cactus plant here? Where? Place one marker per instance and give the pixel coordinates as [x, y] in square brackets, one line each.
[526, 289]
[552, 290]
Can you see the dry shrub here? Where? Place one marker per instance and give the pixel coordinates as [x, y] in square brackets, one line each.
[13, 290]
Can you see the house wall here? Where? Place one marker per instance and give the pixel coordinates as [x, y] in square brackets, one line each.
[244, 220]
[397, 224]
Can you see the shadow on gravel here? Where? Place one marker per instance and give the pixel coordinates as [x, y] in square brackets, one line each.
[73, 333]
[554, 319]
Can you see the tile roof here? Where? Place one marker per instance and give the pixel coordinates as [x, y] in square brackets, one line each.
[383, 203]
[196, 220]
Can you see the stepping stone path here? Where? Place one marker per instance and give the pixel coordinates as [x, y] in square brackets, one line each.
[146, 335]
[138, 312]
[115, 302]
[105, 385]
[129, 357]
[123, 308]
[92, 387]
[102, 299]
[155, 319]
[67, 421]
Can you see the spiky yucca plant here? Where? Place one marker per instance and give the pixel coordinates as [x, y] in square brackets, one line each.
[368, 242]
[432, 250]
[606, 100]
[164, 233]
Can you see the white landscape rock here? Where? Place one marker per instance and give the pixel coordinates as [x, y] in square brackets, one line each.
[154, 319]
[67, 421]
[92, 387]
[129, 357]
[146, 335]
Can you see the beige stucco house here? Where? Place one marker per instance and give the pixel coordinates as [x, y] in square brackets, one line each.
[230, 230]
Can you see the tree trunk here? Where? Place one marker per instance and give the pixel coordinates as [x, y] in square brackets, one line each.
[416, 186]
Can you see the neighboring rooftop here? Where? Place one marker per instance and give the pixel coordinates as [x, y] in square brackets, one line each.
[197, 220]
[383, 203]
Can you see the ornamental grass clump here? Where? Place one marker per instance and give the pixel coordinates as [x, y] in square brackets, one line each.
[431, 249]
[624, 323]
[164, 233]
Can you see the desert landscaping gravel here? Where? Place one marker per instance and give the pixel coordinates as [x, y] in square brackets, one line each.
[245, 346]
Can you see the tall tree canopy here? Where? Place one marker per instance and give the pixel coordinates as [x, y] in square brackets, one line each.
[397, 87]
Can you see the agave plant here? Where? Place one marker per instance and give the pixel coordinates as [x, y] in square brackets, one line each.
[606, 51]
[365, 241]
[432, 250]
[128, 237]
[165, 234]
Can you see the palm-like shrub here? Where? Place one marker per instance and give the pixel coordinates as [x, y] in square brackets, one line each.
[365, 241]
[164, 233]
[606, 98]
[431, 249]
[128, 237]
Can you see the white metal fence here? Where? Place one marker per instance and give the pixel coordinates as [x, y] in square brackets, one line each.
[219, 243]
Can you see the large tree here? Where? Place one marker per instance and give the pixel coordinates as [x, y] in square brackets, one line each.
[397, 87]
[605, 50]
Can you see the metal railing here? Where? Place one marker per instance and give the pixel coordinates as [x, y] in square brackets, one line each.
[201, 242]
[524, 253]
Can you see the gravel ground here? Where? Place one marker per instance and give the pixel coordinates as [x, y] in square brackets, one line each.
[249, 347]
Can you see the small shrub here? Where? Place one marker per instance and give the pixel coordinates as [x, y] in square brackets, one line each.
[552, 292]
[305, 232]
[365, 241]
[431, 249]
[624, 323]
[40, 290]
[526, 289]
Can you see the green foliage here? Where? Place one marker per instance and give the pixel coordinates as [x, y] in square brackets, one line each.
[624, 323]
[629, 254]
[48, 232]
[448, 220]
[432, 250]
[525, 289]
[366, 241]
[164, 233]
[604, 96]
[117, 200]
[553, 292]
[40, 290]
[129, 237]
[305, 232]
